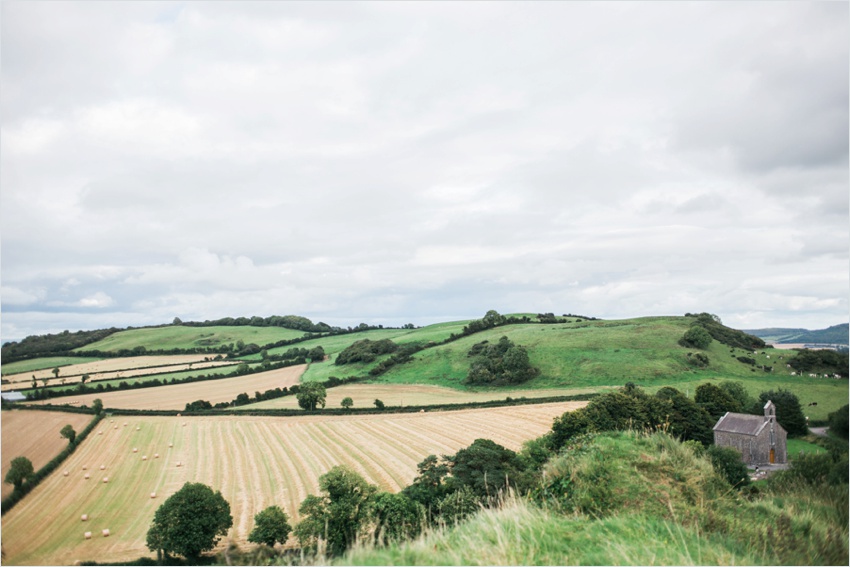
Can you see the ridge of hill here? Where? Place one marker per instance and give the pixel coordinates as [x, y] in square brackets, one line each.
[835, 335]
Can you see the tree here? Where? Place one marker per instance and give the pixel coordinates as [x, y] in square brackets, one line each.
[398, 517]
[84, 378]
[487, 469]
[340, 515]
[68, 433]
[316, 354]
[715, 401]
[696, 337]
[55, 372]
[838, 421]
[177, 321]
[429, 486]
[190, 522]
[379, 404]
[20, 470]
[97, 406]
[270, 525]
[45, 380]
[347, 402]
[789, 414]
[311, 395]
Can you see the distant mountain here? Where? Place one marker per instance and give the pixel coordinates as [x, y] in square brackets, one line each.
[835, 335]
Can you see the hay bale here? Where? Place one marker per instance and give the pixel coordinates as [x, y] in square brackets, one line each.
[153, 494]
[86, 476]
[135, 450]
[64, 473]
[105, 533]
[171, 444]
[105, 479]
[125, 424]
[116, 427]
[156, 455]
[179, 463]
[103, 467]
[178, 415]
[87, 535]
[138, 428]
[422, 411]
[111, 421]
[84, 518]
[144, 457]
[85, 467]
[100, 432]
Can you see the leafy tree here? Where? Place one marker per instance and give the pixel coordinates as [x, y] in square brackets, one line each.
[189, 522]
[738, 393]
[727, 462]
[715, 401]
[838, 421]
[487, 469]
[177, 321]
[379, 404]
[84, 378]
[398, 517]
[696, 337]
[789, 414]
[347, 402]
[97, 406]
[568, 425]
[500, 364]
[365, 350]
[20, 470]
[457, 506]
[55, 372]
[270, 525]
[316, 354]
[68, 433]
[45, 380]
[311, 395]
[429, 485]
[686, 419]
[340, 515]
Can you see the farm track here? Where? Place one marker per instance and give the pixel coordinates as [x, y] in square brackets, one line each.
[254, 461]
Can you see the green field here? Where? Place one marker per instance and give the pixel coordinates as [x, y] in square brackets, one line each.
[46, 362]
[178, 336]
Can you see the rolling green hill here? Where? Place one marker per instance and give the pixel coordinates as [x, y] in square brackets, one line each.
[177, 336]
[835, 335]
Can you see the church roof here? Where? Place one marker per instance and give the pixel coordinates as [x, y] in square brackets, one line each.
[742, 423]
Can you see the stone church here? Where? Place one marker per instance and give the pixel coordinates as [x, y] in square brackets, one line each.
[760, 439]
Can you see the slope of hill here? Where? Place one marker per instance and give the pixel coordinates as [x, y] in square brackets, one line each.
[835, 335]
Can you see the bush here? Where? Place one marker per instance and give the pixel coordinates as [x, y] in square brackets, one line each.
[838, 421]
[696, 337]
[501, 364]
[270, 525]
[728, 464]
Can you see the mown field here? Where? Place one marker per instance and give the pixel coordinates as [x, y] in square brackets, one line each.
[35, 435]
[255, 462]
[176, 396]
[177, 336]
[47, 362]
[114, 369]
[403, 395]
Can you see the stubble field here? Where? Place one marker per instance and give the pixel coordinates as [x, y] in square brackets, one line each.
[176, 396]
[254, 461]
[35, 435]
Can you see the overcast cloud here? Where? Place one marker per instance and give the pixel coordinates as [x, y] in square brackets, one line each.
[415, 162]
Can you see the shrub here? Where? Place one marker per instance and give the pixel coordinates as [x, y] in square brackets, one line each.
[728, 464]
[838, 421]
[696, 337]
[270, 525]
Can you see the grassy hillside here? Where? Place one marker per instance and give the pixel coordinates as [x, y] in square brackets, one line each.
[633, 499]
[837, 334]
[176, 336]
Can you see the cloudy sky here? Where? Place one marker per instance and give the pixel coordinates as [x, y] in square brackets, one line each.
[421, 162]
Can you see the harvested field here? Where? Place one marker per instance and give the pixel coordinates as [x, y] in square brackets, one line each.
[111, 368]
[175, 397]
[254, 461]
[35, 435]
[364, 396]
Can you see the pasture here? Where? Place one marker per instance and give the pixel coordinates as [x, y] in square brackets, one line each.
[254, 461]
[35, 435]
[178, 336]
[176, 396]
[47, 362]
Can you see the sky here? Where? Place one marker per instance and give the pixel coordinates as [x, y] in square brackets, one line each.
[397, 162]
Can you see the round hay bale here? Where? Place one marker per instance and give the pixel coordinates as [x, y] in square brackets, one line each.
[85, 467]
[184, 424]
[179, 463]
[105, 479]
[105, 533]
[87, 476]
[178, 415]
[422, 411]
[111, 421]
[78, 562]
[103, 467]
[125, 424]
[153, 494]
[100, 432]
[64, 473]
[87, 535]
[84, 518]
[156, 455]
[171, 444]
[116, 427]
[135, 450]
[144, 457]
[138, 428]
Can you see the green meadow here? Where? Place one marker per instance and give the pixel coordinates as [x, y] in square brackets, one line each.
[183, 337]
